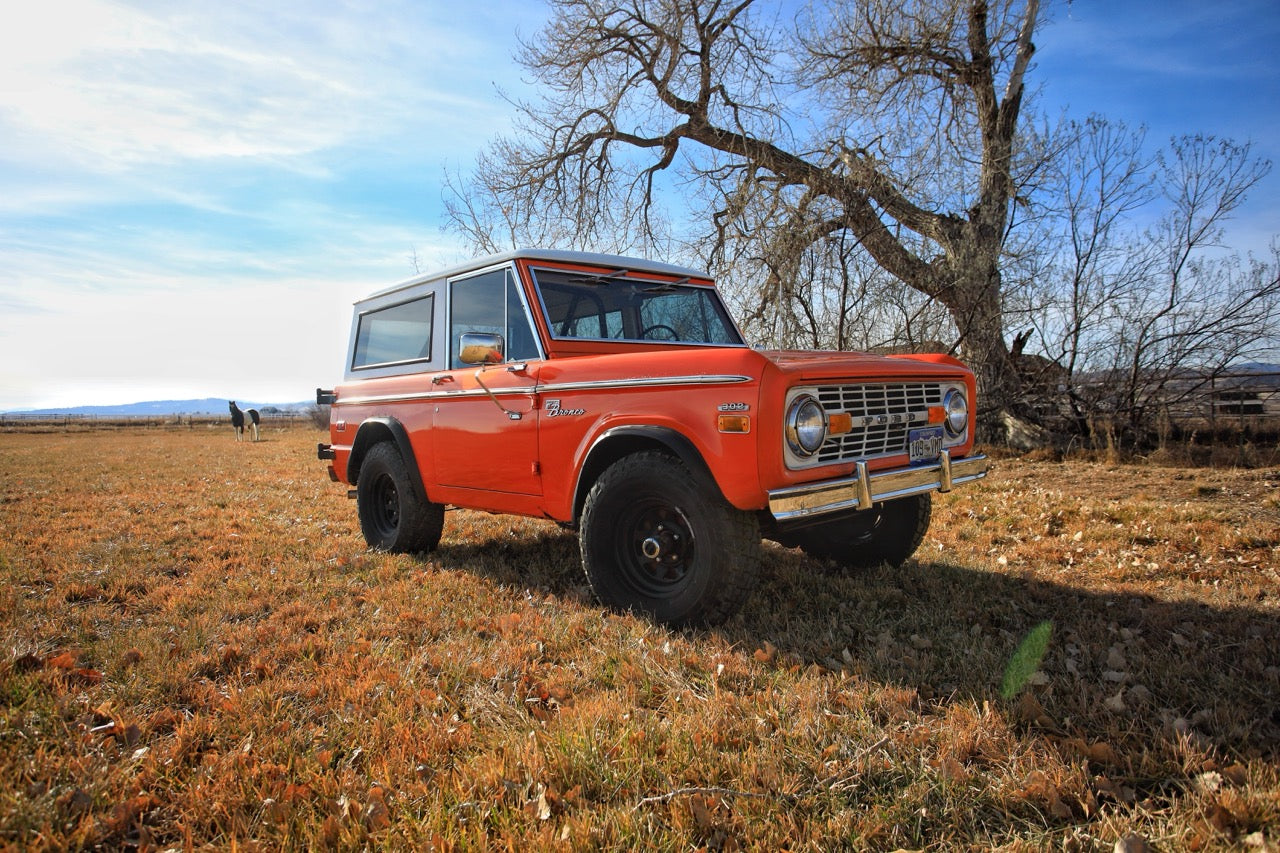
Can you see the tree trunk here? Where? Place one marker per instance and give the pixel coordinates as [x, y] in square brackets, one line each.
[973, 296]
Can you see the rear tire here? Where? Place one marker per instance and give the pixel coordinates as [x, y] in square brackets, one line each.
[392, 516]
[659, 539]
[889, 532]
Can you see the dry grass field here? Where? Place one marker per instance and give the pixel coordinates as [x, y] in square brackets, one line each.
[196, 651]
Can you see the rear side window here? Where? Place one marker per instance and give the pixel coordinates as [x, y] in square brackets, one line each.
[395, 335]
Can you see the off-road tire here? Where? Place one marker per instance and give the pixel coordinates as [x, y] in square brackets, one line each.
[659, 539]
[392, 515]
[889, 532]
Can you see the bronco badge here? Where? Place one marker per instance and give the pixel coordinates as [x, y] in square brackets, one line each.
[554, 411]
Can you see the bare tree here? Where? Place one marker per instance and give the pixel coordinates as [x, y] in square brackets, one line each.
[894, 129]
[1138, 318]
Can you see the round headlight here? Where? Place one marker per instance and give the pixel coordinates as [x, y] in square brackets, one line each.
[806, 426]
[957, 408]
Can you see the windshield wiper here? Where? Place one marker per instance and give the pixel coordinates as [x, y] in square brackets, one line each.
[597, 278]
[666, 286]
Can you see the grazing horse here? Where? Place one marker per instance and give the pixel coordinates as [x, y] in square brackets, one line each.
[238, 420]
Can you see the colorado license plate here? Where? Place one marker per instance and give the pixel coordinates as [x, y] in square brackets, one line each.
[924, 444]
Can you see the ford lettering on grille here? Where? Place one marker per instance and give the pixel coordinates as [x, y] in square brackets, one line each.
[883, 416]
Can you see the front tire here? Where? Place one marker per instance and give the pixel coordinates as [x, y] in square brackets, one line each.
[392, 516]
[658, 539]
[889, 532]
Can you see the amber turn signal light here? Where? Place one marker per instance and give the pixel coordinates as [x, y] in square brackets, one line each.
[937, 414]
[839, 423]
[734, 423]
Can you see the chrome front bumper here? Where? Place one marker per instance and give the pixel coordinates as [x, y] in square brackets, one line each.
[866, 488]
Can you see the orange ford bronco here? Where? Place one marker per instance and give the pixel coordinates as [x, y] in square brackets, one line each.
[617, 396]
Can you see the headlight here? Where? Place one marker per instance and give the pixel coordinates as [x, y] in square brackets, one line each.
[806, 426]
[957, 408]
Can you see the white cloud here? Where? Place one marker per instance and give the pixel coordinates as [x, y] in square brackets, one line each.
[114, 86]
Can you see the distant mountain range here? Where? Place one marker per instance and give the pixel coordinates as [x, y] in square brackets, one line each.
[154, 408]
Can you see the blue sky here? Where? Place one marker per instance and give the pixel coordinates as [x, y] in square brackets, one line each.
[192, 194]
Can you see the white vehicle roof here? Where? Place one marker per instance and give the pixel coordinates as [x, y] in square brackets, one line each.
[562, 255]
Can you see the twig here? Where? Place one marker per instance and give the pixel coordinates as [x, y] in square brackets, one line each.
[721, 792]
[752, 795]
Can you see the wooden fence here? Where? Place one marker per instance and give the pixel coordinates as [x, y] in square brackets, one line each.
[24, 420]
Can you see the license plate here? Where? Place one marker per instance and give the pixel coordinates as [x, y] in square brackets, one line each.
[924, 444]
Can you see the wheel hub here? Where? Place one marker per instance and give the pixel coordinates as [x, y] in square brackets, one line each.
[657, 547]
[664, 544]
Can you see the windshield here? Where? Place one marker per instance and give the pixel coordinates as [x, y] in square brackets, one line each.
[613, 306]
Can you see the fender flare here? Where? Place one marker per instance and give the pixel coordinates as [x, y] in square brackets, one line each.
[613, 444]
[379, 429]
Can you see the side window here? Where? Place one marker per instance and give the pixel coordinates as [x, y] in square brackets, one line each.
[490, 303]
[521, 345]
[395, 334]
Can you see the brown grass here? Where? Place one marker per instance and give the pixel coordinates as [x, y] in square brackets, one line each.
[199, 652]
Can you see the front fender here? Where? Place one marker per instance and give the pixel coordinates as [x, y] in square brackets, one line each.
[613, 444]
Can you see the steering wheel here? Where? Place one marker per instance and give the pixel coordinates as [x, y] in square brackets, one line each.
[675, 336]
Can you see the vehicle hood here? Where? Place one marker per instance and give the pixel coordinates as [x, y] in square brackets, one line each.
[821, 365]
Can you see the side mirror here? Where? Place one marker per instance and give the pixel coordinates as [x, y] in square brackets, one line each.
[481, 348]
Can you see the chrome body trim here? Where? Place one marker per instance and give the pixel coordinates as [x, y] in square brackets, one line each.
[866, 488]
[641, 382]
[551, 388]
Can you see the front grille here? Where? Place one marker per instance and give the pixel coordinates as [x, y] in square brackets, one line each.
[882, 417]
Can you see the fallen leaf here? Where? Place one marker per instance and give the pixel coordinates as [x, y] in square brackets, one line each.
[1120, 793]
[767, 652]
[66, 660]
[85, 676]
[164, 720]
[1031, 711]
[1102, 753]
[27, 663]
[330, 830]
[1132, 843]
[274, 811]
[377, 816]
[1236, 774]
[541, 808]
[1221, 819]
[76, 802]
[952, 770]
[701, 814]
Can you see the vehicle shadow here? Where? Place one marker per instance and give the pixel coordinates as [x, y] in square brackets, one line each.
[950, 631]
[1180, 667]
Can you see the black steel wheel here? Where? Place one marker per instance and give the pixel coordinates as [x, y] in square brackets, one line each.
[392, 516]
[658, 539]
